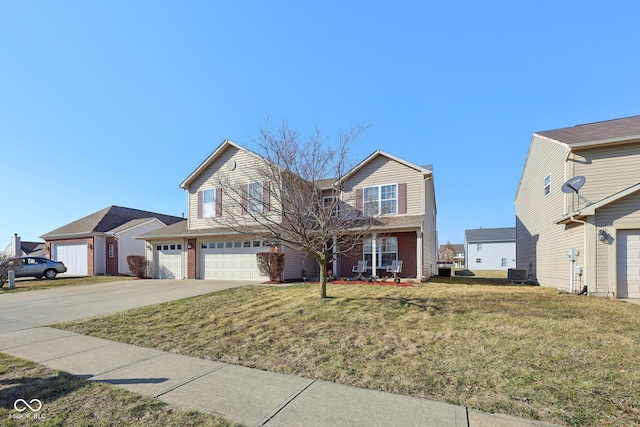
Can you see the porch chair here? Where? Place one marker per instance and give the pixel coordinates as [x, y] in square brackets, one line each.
[360, 268]
[395, 268]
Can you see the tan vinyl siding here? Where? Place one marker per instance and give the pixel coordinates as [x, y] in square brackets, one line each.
[244, 173]
[607, 169]
[623, 214]
[382, 171]
[541, 245]
[295, 262]
[429, 237]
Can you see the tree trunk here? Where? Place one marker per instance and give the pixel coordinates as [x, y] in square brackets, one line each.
[323, 278]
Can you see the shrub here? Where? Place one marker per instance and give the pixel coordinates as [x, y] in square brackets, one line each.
[139, 266]
[271, 264]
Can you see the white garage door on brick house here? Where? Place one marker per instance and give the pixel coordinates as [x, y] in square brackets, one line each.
[628, 263]
[231, 260]
[169, 258]
[73, 255]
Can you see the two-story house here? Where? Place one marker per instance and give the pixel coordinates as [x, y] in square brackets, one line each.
[490, 248]
[398, 193]
[599, 224]
[453, 254]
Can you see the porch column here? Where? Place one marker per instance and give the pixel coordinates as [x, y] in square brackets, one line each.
[419, 250]
[374, 255]
[334, 264]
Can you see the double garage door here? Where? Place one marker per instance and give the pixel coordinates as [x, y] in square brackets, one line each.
[230, 260]
[628, 269]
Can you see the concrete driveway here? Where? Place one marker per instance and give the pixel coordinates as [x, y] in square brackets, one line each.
[24, 310]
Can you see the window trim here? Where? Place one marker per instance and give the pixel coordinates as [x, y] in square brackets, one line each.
[547, 185]
[336, 212]
[112, 250]
[255, 202]
[379, 200]
[379, 251]
[209, 207]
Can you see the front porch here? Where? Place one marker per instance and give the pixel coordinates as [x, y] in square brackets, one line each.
[383, 248]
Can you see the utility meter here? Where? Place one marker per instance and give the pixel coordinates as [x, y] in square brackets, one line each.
[573, 254]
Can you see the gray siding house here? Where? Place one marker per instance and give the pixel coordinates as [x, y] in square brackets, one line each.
[601, 223]
[490, 248]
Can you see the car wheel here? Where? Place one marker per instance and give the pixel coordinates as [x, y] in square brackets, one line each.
[50, 274]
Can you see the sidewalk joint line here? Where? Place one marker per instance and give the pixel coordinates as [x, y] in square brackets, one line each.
[76, 353]
[37, 342]
[129, 364]
[286, 402]
[187, 381]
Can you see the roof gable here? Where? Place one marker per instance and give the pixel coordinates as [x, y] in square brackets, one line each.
[212, 157]
[423, 170]
[135, 223]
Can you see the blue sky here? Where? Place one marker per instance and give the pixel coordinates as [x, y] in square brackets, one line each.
[116, 102]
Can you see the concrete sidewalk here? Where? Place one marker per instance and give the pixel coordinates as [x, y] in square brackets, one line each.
[246, 396]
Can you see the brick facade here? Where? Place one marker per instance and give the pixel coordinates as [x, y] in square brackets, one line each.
[90, 244]
[192, 270]
[111, 262]
[407, 246]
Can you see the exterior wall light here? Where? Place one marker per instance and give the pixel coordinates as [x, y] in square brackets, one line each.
[603, 236]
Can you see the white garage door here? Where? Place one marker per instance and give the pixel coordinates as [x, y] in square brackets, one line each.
[169, 261]
[230, 260]
[73, 255]
[628, 252]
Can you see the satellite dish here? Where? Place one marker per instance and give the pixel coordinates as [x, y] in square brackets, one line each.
[574, 184]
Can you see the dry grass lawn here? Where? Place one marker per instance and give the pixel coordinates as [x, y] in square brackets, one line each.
[71, 401]
[524, 351]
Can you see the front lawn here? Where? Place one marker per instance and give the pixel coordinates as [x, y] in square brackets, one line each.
[524, 351]
[32, 284]
[71, 401]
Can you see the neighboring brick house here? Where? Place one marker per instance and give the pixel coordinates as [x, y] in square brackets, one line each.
[490, 248]
[602, 223]
[204, 248]
[100, 243]
[453, 254]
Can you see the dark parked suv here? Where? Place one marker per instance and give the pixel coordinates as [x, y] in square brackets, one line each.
[31, 266]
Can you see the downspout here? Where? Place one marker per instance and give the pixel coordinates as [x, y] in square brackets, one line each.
[585, 245]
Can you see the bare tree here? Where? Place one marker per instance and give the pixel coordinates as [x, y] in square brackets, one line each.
[7, 263]
[305, 207]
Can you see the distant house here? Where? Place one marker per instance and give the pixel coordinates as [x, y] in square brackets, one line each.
[452, 253]
[490, 248]
[100, 243]
[601, 223]
[18, 248]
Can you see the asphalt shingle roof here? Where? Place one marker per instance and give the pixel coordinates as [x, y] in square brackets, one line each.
[609, 129]
[106, 220]
[491, 235]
